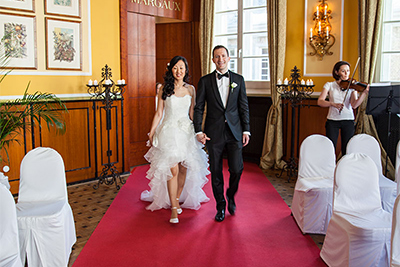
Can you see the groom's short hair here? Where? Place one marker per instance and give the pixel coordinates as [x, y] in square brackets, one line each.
[218, 47]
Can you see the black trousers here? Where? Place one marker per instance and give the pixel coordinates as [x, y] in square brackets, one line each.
[346, 128]
[235, 162]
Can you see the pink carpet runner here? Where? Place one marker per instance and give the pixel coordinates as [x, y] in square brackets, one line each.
[262, 233]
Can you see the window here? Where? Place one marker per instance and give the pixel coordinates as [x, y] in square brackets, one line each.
[241, 26]
[390, 47]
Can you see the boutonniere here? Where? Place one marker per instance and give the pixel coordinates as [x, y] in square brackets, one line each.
[233, 86]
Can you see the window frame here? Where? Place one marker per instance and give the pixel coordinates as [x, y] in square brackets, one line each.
[254, 88]
[378, 77]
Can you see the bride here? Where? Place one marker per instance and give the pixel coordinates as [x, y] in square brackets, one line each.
[179, 165]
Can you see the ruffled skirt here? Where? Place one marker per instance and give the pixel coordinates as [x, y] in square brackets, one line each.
[176, 145]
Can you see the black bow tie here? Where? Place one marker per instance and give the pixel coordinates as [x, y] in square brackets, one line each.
[226, 74]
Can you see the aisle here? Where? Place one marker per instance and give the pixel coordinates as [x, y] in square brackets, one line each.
[262, 233]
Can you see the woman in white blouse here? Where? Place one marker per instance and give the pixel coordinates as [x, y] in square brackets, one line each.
[341, 115]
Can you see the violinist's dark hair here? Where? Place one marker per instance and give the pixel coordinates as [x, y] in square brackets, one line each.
[337, 67]
[218, 47]
[169, 79]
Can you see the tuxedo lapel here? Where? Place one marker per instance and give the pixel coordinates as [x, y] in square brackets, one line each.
[231, 80]
[215, 89]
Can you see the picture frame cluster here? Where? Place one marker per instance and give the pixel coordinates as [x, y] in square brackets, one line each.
[63, 23]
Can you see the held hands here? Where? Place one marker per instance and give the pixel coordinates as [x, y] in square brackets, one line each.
[202, 138]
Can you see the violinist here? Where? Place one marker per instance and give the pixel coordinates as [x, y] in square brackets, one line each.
[341, 103]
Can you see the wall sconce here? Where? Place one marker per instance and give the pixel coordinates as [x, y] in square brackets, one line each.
[321, 39]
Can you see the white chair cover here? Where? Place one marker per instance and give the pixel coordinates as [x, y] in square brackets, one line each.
[359, 230]
[364, 143]
[9, 243]
[45, 219]
[397, 175]
[4, 180]
[312, 199]
[395, 250]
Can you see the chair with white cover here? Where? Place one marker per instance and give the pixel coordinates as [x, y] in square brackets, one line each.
[9, 243]
[359, 230]
[395, 249]
[364, 143]
[45, 219]
[312, 199]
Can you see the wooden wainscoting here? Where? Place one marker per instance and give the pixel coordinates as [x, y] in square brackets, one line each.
[309, 119]
[83, 147]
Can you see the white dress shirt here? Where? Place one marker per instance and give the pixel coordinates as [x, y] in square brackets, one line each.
[223, 88]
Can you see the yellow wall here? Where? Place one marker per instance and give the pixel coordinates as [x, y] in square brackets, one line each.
[105, 47]
[295, 38]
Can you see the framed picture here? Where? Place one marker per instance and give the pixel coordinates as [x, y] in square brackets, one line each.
[17, 35]
[26, 5]
[69, 8]
[63, 45]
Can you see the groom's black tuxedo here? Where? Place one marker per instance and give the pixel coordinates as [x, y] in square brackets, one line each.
[236, 113]
[224, 126]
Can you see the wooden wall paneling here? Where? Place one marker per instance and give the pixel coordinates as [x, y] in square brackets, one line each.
[133, 76]
[146, 76]
[124, 43]
[76, 146]
[312, 121]
[173, 39]
[130, 6]
[161, 68]
[187, 10]
[132, 34]
[16, 152]
[166, 13]
[196, 63]
[146, 34]
[147, 9]
[140, 97]
[182, 10]
[142, 114]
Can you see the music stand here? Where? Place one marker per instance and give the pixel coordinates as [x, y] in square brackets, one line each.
[384, 100]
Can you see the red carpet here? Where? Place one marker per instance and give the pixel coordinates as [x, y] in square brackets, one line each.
[262, 233]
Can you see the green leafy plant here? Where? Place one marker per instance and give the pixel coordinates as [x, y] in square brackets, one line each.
[20, 114]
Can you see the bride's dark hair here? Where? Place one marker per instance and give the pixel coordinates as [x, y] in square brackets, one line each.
[169, 79]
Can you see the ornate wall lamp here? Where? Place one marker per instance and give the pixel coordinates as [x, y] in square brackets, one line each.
[321, 39]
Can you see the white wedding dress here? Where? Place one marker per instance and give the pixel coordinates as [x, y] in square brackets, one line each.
[174, 141]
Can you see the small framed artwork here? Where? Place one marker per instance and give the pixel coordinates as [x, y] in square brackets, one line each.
[17, 35]
[25, 5]
[63, 45]
[69, 8]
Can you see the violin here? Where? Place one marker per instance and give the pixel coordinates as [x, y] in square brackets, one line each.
[356, 85]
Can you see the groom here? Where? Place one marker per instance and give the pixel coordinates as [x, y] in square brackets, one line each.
[227, 126]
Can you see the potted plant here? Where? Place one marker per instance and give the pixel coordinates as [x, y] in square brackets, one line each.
[19, 114]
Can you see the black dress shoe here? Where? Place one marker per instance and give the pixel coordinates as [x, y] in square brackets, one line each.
[231, 205]
[220, 216]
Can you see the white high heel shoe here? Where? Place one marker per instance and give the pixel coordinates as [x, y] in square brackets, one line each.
[179, 210]
[174, 220]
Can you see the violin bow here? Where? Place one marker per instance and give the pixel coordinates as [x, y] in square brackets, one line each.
[351, 79]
